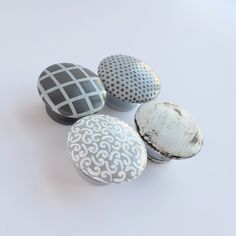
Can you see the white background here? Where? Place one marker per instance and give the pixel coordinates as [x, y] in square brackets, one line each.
[192, 46]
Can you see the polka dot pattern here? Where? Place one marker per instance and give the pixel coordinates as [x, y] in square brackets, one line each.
[129, 79]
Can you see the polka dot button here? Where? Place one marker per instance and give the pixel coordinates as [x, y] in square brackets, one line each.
[129, 79]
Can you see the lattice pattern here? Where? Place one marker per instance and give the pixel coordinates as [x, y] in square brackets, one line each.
[71, 90]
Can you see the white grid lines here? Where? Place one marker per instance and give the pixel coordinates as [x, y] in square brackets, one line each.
[57, 85]
[62, 91]
[80, 88]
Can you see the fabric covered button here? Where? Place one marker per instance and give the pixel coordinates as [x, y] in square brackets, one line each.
[106, 150]
[128, 81]
[70, 92]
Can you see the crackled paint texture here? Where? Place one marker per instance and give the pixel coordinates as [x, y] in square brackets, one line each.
[168, 129]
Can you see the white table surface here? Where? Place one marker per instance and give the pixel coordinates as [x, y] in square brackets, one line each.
[192, 46]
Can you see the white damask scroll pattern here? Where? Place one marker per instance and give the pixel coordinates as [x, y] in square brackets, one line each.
[106, 149]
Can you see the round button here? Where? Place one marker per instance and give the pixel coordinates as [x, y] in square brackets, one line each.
[168, 131]
[70, 92]
[128, 81]
[106, 150]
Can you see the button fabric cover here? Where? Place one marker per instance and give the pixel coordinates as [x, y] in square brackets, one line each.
[71, 90]
[106, 149]
[129, 79]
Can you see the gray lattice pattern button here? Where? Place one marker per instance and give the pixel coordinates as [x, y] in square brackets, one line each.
[70, 91]
[129, 79]
[106, 149]
[168, 130]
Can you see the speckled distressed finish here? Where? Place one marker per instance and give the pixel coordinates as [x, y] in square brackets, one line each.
[168, 130]
[129, 79]
[106, 150]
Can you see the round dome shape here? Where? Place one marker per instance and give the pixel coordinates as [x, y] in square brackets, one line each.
[70, 92]
[168, 131]
[128, 81]
[106, 150]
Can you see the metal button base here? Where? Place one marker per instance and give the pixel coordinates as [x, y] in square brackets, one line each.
[59, 118]
[155, 156]
[118, 104]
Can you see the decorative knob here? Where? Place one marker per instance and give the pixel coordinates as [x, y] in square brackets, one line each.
[168, 131]
[70, 92]
[128, 81]
[106, 150]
